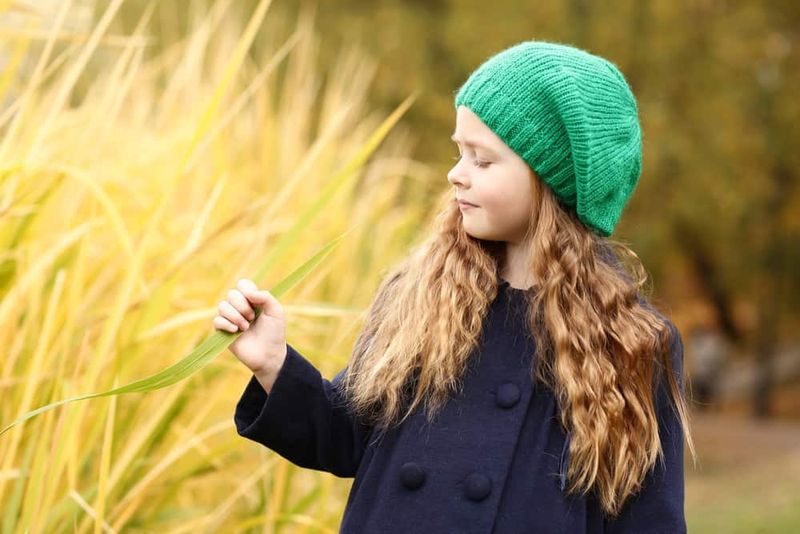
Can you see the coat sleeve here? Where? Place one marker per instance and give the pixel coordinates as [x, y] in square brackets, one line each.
[303, 418]
[659, 505]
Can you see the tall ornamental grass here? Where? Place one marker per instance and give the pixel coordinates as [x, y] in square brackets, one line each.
[137, 185]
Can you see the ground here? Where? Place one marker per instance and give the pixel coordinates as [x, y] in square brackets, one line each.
[748, 475]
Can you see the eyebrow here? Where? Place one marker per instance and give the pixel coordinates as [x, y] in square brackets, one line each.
[472, 143]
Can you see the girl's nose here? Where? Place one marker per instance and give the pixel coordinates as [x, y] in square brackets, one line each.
[455, 176]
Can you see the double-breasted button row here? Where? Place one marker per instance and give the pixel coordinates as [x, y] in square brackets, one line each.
[508, 395]
[477, 486]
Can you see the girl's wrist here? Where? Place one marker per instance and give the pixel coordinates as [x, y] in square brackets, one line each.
[266, 378]
[267, 374]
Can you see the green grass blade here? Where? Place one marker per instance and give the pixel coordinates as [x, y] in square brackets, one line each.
[201, 356]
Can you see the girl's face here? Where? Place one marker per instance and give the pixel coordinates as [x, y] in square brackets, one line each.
[494, 178]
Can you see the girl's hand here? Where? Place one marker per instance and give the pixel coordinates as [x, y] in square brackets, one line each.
[262, 345]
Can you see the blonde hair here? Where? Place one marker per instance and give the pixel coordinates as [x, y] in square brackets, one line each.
[599, 345]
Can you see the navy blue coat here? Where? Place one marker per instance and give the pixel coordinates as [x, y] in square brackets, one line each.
[493, 461]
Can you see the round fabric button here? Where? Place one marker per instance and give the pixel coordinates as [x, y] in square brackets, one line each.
[477, 486]
[412, 475]
[507, 395]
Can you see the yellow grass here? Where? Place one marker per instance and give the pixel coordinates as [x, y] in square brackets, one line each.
[135, 189]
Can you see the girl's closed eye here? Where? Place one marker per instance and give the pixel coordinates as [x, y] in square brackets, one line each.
[478, 162]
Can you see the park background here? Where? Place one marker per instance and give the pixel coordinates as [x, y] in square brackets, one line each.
[151, 153]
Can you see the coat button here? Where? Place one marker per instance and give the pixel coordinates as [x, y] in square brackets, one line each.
[412, 475]
[478, 486]
[507, 395]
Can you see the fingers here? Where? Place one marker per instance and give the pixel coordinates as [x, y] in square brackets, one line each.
[255, 296]
[232, 316]
[221, 323]
[245, 285]
[238, 301]
[238, 311]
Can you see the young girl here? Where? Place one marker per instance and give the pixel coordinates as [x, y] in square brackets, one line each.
[511, 377]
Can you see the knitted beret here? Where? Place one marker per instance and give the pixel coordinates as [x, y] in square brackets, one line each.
[571, 116]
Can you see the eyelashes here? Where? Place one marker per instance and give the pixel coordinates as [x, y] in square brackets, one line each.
[481, 164]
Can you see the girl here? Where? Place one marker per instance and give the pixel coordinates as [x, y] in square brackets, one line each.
[510, 377]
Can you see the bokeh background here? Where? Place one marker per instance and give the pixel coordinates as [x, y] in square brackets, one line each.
[151, 153]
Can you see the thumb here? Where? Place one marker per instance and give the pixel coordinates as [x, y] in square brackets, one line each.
[266, 301]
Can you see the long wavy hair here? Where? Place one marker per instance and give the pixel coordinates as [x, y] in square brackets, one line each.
[599, 344]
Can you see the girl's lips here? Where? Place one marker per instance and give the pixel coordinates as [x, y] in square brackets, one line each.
[462, 204]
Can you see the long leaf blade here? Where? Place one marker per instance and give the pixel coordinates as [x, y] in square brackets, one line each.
[201, 355]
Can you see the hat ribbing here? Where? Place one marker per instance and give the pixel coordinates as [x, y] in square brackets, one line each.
[571, 116]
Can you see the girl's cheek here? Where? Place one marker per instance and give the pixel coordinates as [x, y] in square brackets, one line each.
[493, 194]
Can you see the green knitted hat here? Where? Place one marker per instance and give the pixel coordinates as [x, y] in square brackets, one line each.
[571, 116]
